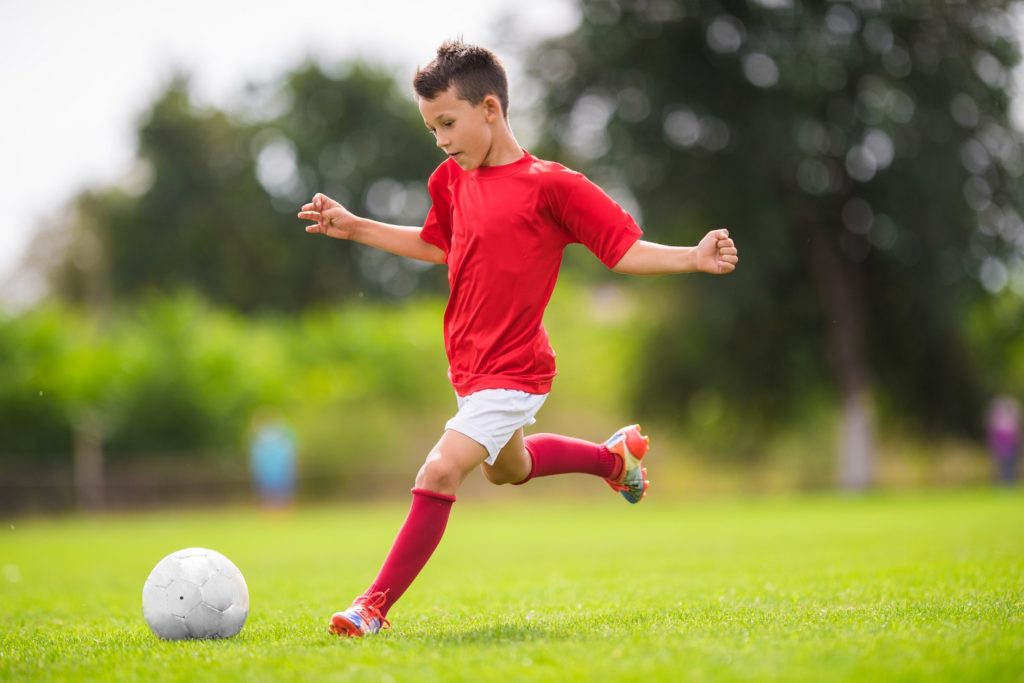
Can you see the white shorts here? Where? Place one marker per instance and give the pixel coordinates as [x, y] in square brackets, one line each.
[491, 416]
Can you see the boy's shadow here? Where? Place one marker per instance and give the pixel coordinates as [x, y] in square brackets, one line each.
[546, 628]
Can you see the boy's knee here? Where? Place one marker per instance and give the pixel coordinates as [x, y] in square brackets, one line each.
[439, 476]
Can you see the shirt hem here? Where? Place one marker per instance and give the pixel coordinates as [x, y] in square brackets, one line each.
[435, 240]
[621, 248]
[481, 383]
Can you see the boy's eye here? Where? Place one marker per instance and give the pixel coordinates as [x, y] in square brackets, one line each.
[444, 124]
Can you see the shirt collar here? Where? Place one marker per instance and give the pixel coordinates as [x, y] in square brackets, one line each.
[504, 169]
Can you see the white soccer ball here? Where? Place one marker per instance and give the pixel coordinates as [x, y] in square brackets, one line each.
[195, 593]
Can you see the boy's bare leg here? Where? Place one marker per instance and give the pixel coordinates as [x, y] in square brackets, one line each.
[449, 462]
[513, 463]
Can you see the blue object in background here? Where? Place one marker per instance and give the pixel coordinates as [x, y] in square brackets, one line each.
[272, 462]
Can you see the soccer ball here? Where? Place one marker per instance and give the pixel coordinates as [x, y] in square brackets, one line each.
[195, 593]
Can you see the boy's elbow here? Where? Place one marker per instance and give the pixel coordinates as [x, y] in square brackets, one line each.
[435, 255]
[627, 265]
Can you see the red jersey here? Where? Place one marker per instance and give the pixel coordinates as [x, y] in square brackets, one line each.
[503, 230]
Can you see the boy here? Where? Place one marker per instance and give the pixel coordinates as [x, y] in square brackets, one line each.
[500, 220]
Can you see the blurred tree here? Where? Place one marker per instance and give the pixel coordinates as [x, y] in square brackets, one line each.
[211, 205]
[357, 138]
[33, 418]
[862, 154]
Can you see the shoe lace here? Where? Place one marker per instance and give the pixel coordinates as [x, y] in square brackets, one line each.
[371, 605]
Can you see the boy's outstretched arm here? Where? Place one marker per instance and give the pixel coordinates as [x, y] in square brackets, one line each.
[716, 253]
[334, 220]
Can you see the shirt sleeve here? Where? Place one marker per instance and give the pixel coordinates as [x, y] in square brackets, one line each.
[595, 220]
[437, 228]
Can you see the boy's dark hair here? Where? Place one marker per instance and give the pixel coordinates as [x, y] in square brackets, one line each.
[474, 71]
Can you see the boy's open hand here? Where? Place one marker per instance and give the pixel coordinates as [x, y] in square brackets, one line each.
[716, 253]
[329, 217]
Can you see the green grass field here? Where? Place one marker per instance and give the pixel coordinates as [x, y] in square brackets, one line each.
[922, 587]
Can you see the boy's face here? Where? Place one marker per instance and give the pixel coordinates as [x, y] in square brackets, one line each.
[462, 130]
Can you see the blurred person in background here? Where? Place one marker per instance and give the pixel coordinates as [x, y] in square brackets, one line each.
[1004, 437]
[272, 462]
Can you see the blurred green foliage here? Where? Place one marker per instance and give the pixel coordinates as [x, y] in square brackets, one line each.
[863, 157]
[174, 377]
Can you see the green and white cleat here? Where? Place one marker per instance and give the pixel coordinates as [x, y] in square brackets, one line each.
[630, 445]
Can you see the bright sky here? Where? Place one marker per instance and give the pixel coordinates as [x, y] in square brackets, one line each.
[75, 76]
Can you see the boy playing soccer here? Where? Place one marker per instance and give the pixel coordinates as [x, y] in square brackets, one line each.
[500, 219]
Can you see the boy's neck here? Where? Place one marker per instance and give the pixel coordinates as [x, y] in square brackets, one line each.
[505, 150]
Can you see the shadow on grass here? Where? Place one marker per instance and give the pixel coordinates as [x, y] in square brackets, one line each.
[540, 628]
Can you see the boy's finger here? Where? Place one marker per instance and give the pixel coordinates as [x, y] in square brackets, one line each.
[309, 216]
[723, 234]
[313, 228]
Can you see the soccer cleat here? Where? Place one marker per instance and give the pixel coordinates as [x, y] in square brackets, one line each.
[630, 445]
[361, 619]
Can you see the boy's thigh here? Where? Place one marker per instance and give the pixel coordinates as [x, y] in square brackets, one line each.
[458, 450]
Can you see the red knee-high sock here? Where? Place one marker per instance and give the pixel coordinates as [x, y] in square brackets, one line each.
[413, 546]
[554, 454]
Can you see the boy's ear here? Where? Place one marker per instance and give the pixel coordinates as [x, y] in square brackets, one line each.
[492, 107]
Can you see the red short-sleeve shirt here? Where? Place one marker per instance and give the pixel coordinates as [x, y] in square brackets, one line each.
[503, 230]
